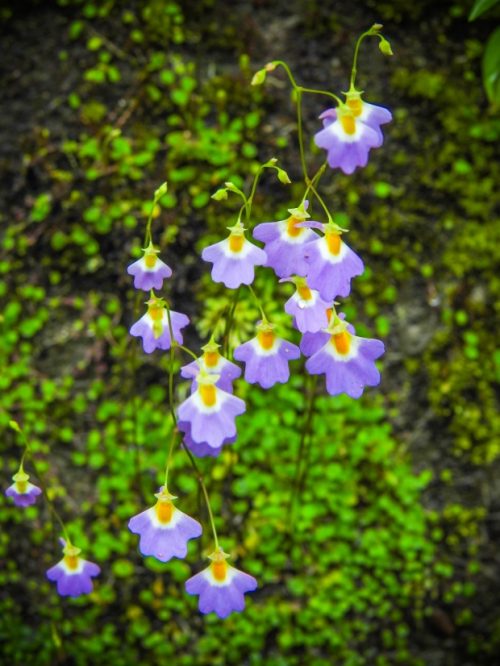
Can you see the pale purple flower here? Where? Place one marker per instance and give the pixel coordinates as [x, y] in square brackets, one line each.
[234, 259]
[331, 263]
[308, 309]
[310, 343]
[149, 271]
[213, 363]
[22, 492]
[266, 357]
[154, 329]
[284, 242]
[370, 114]
[208, 415]
[220, 586]
[164, 530]
[347, 139]
[347, 360]
[73, 575]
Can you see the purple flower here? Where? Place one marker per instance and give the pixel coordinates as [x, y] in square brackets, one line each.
[164, 530]
[73, 574]
[153, 327]
[208, 415]
[266, 357]
[347, 139]
[23, 492]
[307, 307]
[284, 242]
[347, 360]
[331, 264]
[234, 259]
[213, 363]
[369, 114]
[310, 343]
[150, 271]
[220, 586]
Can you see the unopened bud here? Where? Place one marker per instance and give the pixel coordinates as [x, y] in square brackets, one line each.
[385, 47]
[220, 194]
[259, 77]
[283, 177]
[162, 190]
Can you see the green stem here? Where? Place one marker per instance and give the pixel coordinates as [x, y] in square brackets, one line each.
[313, 91]
[229, 323]
[300, 133]
[288, 71]
[258, 303]
[354, 69]
[41, 480]
[175, 429]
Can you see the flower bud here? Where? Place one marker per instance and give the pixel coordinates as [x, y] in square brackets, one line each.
[220, 194]
[283, 177]
[385, 47]
[259, 77]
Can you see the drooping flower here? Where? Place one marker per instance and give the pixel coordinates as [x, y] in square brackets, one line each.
[331, 264]
[306, 307]
[154, 329]
[164, 530]
[208, 415]
[284, 242]
[370, 114]
[234, 259]
[22, 492]
[213, 363]
[348, 361]
[346, 137]
[266, 357]
[73, 575]
[149, 271]
[220, 586]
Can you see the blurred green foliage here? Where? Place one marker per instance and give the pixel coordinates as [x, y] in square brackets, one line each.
[358, 565]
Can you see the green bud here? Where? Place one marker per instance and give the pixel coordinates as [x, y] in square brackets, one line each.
[161, 191]
[231, 186]
[271, 162]
[385, 47]
[259, 77]
[220, 194]
[15, 426]
[376, 27]
[283, 177]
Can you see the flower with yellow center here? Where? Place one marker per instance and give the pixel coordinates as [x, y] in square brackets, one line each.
[164, 530]
[149, 271]
[221, 587]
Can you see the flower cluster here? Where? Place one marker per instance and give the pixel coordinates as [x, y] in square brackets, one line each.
[309, 254]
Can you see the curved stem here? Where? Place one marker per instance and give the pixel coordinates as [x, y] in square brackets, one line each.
[41, 478]
[288, 71]
[354, 69]
[313, 91]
